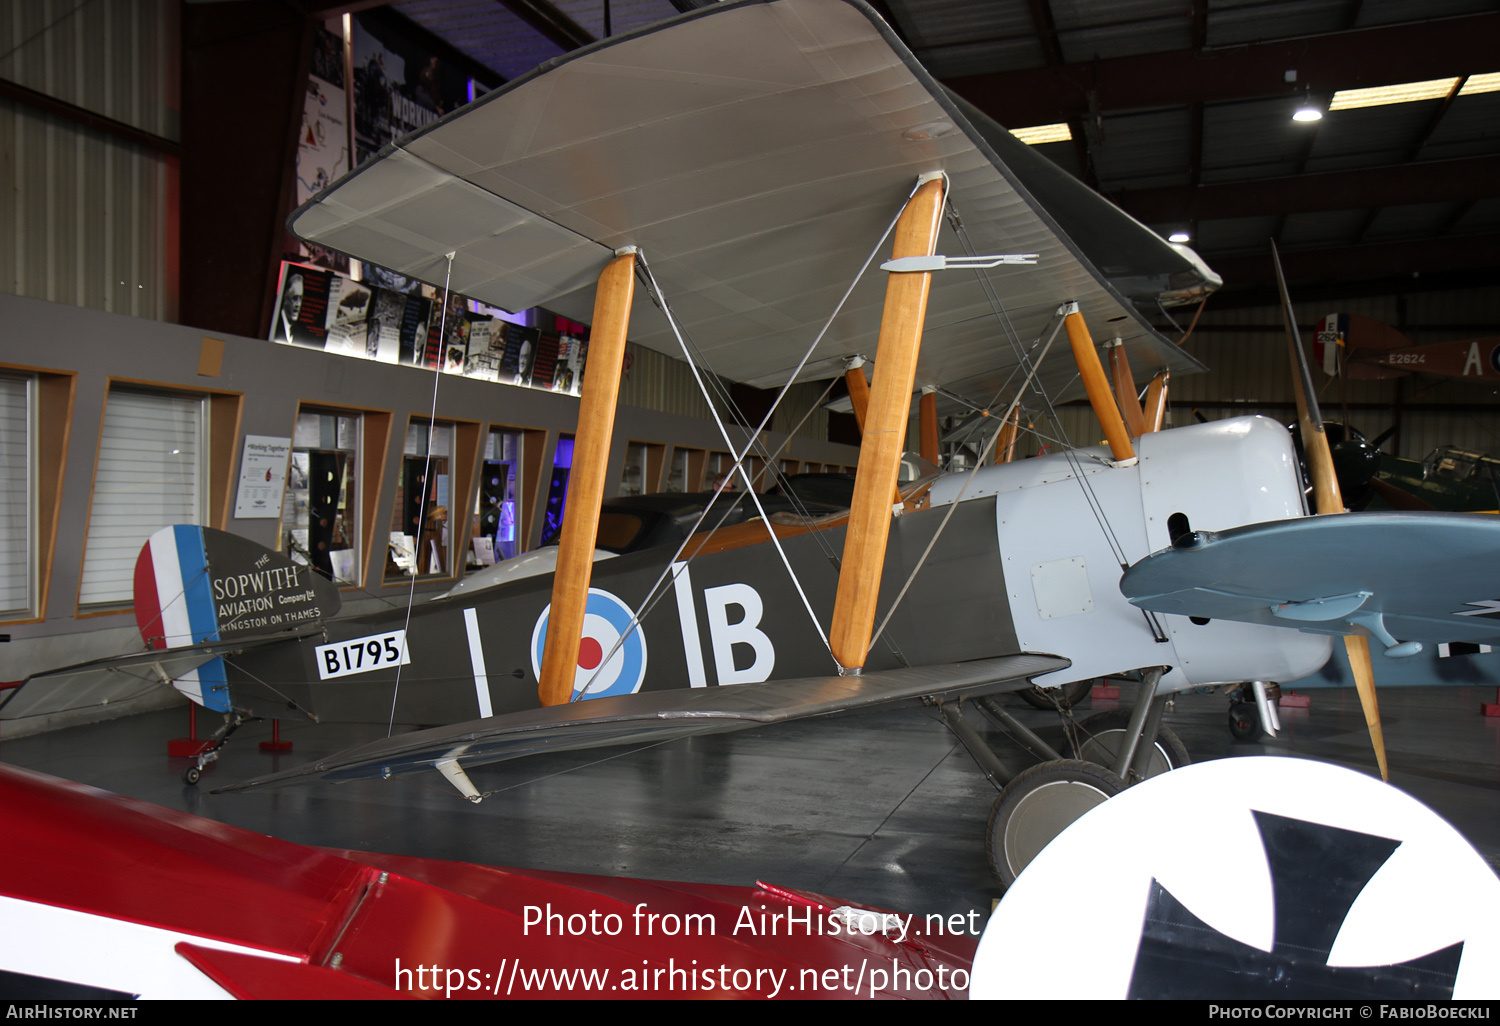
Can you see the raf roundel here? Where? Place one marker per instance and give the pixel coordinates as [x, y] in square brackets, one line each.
[606, 665]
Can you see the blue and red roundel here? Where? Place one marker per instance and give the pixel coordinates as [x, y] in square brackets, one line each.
[605, 621]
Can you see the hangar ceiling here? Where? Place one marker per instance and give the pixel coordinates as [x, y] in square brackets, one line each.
[1181, 112]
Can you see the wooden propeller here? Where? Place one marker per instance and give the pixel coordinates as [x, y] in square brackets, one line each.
[1326, 499]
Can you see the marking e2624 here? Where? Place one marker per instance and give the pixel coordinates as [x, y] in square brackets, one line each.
[361, 655]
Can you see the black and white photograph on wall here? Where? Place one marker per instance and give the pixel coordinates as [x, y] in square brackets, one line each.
[482, 358]
[573, 351]
[520, 351]
[302, 306]
[349, 317]
[415, 311]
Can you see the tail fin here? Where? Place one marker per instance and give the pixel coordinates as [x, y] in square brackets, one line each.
[1345, 342]
[195, 584]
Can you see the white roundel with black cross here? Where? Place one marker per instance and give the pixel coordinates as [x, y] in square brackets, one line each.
[1250, 879]
[599, 673]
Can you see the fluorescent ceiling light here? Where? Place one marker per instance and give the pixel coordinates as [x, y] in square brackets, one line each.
[1042, 134]
[1411, 92]
[1179, 237]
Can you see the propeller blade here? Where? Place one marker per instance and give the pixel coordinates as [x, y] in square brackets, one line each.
[1314, 439]
[1326, 499]
[1358, 648]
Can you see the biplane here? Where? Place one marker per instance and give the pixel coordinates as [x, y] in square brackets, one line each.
[1362, 348]
[776, 191]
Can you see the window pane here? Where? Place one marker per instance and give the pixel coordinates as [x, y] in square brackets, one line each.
[17, 498]
[320, 515]
[495, 505]
[149, 475]
[419, 534]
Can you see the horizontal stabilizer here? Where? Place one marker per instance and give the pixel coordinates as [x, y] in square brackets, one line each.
[169, 664]
[1426, 577]
[657, 716]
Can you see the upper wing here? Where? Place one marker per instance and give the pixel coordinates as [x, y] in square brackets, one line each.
[657, 716]
[1414, 576]
[755, 152]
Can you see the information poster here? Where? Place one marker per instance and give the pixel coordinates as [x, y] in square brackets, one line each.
[322, 309]
[262, 477]
[323, 137]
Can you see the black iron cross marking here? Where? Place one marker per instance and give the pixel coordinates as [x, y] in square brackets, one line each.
[1317, 872]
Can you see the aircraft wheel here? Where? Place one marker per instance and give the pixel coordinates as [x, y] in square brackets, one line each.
[192, 775]
[1244, 721]
[1065, 696]
[1101, 735]
[1037, 806]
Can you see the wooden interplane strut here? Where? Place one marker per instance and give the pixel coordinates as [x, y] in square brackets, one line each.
[1005, 445]
[928, 428]
[885, 429]
[859, 391]
[596, 418]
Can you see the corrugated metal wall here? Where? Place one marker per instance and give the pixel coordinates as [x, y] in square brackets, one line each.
[84, 216]
[655, 381]
[1250, 373]
[1246, 352]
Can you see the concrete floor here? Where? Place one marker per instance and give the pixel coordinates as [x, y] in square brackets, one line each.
[883, 808]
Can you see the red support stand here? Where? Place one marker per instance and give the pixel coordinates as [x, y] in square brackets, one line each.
[276, 744]
[192, 746]
[1105, 691]
[1292, 700]
[1491, 708]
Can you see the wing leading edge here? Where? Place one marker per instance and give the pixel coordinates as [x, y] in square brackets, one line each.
[1423, 577]
[657, 716]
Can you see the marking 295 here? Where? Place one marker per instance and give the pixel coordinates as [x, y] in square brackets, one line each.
[361, 655]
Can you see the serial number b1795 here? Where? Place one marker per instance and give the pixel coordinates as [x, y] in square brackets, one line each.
[361, 655]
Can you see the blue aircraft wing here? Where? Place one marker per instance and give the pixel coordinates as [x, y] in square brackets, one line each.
[1403, 578]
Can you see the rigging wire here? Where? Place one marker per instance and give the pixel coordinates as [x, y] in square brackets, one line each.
[739, 463]
[697, 359]
[1096, 507]
[953, 505]
[411, 593]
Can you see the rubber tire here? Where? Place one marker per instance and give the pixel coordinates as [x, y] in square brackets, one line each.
[1066, 695]
[192, 775]
[1171, 752]
[1244, 722]
[1037, 806]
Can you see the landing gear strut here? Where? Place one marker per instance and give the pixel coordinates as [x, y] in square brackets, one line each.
[1101, 757]
[1252, 710]
[1064, 696]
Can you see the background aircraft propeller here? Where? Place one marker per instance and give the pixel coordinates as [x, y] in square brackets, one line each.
[1327, 499]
